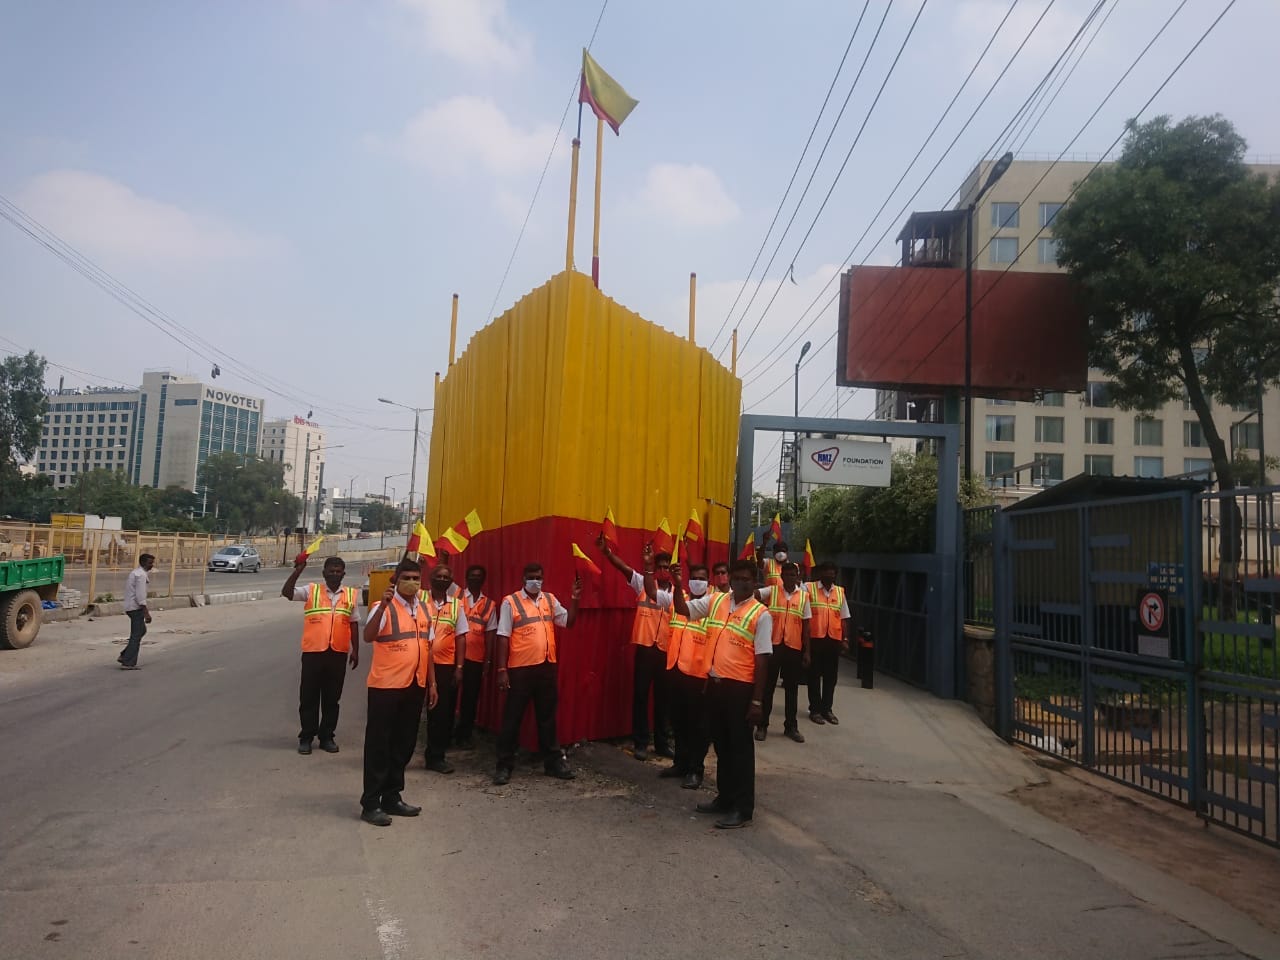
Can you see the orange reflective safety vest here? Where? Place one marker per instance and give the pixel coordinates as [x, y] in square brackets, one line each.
[731, 634]
[444, 621]
[785, 611]
[403, 650]
[326, 625]
[533, 629]
[824, 610]
[772, 572]
[648, 622]
[687, 650]
[478, 613]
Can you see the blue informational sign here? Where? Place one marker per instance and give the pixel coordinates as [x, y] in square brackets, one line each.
[1169, 577]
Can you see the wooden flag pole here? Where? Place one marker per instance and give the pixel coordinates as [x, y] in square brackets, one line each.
[453, 330]
[693, 300]
[734, 367]
[573, 204]
[595, 234]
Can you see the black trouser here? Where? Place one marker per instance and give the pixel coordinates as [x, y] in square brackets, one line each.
[650, 672]
[323, 674]
[537, 683]
[390, 736]
[472, 675]
[727, 705]
[689, 720]
[440, 717]
[137, 630]
[824, 667]
[790, 664]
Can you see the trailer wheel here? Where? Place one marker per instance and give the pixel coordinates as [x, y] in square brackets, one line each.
[21, 614]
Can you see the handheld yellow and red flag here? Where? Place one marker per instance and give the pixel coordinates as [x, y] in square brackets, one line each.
[582, 563]
[469, 527]
[451, 542]
[693, 529]
[662, 539]
[748, 548]
[775, 528]
[609, 529]
[417, 537]
[807, 562]
[603, 94]
[313, 546]
[675, 552]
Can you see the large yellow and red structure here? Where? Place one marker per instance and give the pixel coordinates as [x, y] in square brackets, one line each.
[564, 407]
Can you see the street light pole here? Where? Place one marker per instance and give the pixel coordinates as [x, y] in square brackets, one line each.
[997, 171]
[795, 439]
[382, 516]
[413, 463]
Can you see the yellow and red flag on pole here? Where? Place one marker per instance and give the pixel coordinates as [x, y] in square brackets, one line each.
[469, 527]
[603, 94]
[807, 562]
[775, 528]
[693, 529]
[451, 542]
[609, 529]
[417, 537]
[313, 546]
[584, 564]
[748, 548]
[662, 539]
[675, 552]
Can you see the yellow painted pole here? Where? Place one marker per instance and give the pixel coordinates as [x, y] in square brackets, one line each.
[573, 204]
[595, 233]
[734, 364]
[453, 330]
[693, 300]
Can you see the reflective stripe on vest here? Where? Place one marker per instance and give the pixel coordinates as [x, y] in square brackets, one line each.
[731, 634]
[478, 616]
[648, 622]
[687, 650]
[326, 627]
[772, 572]
[403, 650]
[444, 620]
[533, 630]
[787, 621]
[824, 614]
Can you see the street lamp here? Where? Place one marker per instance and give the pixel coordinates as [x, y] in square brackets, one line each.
[306, 478]
[413, 466]
[997, 171]
[346, 508]
[382, 540]
[795, 440]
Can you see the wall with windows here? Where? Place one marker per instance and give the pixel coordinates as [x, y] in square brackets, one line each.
[84, 430]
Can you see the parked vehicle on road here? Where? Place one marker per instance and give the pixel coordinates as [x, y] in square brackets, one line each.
[24, 586]
[236, 559]
[364, 590]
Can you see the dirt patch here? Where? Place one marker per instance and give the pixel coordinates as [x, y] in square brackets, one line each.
[1236, 870]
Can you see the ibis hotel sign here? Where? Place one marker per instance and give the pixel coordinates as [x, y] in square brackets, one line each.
[850, 463]
[231, 399]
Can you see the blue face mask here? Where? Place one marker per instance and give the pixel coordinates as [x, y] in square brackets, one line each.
[533, 587]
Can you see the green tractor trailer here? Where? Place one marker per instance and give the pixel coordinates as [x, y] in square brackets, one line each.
[24, 586]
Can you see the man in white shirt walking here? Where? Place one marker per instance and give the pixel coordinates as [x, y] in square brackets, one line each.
[135, 606]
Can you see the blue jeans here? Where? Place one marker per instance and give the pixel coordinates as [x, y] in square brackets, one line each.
[137, 630]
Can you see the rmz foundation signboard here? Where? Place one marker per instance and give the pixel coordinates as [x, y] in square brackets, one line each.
[850, 463]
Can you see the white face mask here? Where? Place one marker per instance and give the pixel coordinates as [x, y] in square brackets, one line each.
[697, 587]
[533, 587]
[781, 556]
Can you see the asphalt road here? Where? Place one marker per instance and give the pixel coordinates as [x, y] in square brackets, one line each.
[165, 814]
[268, 579]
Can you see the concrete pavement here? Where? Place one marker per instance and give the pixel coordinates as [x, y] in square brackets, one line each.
[165, 814]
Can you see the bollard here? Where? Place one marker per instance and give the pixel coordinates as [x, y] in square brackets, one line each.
[866, 659]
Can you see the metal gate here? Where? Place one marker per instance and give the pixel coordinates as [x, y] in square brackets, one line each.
[1121, 650]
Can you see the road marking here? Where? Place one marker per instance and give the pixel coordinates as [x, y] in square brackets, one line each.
[391, 936]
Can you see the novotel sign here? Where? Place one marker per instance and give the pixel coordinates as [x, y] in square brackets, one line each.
[850, 463]
[231, 399]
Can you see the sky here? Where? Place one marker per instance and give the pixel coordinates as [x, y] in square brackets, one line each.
[296, 188]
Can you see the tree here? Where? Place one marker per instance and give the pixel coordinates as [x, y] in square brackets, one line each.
[109, 493]
[246, 492]
[1176, 248]
[22, 406]
[377, 516]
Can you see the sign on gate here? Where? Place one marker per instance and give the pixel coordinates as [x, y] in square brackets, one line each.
[850, 463]
[1171, 577]
[1153, 623]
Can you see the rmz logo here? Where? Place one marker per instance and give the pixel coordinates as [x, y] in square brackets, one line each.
[826, 459]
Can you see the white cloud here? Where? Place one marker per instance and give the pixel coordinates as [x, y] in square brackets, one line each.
[688, 195]
[477, 33]
[465, 132]
[104, 217]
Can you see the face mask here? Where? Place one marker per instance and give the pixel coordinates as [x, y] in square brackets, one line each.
[407, 588]
[697, 587]
[781, 556]
[533, 587]
[664, 579]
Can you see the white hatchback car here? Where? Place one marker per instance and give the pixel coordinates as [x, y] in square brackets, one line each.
[236, 559]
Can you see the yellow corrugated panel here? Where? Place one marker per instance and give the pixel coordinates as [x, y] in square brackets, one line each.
[568, 404]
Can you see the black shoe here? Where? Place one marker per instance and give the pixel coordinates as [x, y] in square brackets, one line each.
[732, 821]
[440, 766]
[304, 746]
[830, 717]
[711, 806]
[401, 809]
[665, 752]
[761, 733]
[641, 753]
[692, 781]
[376, 816]
[560, 771]
[816, 717]
[668, 773]
[466, 744]
[502, 776]
[129, 666]
[329, 746]
[794, 734]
